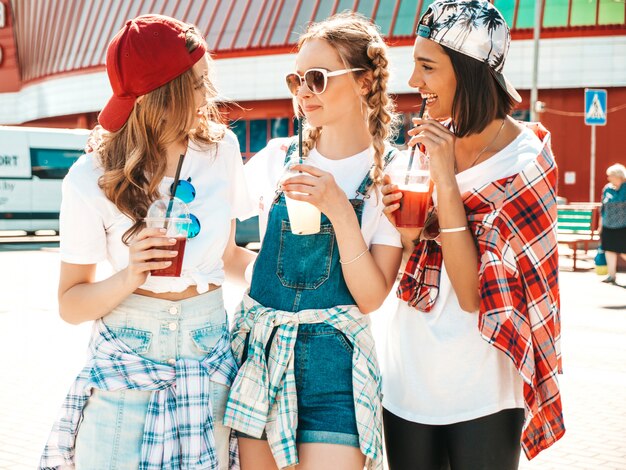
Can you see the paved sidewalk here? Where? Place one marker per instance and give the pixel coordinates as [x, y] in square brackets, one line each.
[41, 355]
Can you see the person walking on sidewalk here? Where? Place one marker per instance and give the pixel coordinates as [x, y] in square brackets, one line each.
[472, 352]
[153, 392]
[613, 226]
[308, 391]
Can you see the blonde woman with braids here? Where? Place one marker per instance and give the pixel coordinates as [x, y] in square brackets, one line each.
[153, 392]
[308, 391]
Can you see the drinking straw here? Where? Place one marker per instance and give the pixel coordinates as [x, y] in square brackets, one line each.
[412, 154]
[300, 138]
[170, 204]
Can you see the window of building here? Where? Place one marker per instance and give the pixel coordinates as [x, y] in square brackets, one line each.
[525, 14]
[612, 12]
[302, 20]
[425, 5]
[239, 128]
[345, 5]
[555, 13]
[217, 24]
[384, 14]
[507, 8]
[254, 134]
[279, 128]
[406, 19]
[254, 11]
[230, 28]
[284, 19]
[324, 10]
[258, 134]
[583, 13]
[366, 7]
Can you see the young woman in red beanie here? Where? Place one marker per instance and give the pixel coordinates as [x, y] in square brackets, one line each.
[153, 392]
[472, 353]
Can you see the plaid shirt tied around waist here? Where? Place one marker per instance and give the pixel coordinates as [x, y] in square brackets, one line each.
[179, 425]
[263, 395]
[514, 224]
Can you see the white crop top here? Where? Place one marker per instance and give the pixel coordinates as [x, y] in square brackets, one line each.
[91, 226]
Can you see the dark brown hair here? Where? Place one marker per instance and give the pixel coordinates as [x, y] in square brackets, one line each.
[478, 98]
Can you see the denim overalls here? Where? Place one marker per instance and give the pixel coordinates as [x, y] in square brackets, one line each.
[299, 272]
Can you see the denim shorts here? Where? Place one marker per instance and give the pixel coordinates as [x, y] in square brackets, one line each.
[323, 372]
[111, 431]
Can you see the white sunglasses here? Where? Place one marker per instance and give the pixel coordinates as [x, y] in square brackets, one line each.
[315, 80]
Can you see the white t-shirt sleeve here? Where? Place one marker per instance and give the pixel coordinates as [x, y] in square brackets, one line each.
[386, 234]
[254, 171]
[240, 202]
[81, 225]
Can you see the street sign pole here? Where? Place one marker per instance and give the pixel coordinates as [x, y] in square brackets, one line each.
[592, 169]
[595, 115]
[533, 89]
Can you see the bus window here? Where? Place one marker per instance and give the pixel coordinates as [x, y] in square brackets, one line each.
[52, 163]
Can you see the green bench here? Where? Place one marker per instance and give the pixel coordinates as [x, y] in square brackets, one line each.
[578, 227]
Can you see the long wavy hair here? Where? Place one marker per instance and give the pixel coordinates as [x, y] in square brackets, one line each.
[134, 158]
[359, 45]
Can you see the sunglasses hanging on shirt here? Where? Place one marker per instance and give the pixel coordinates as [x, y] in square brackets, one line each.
[187, 193]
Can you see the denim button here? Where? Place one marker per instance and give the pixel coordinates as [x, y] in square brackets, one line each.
[171, 362]
[173, 310]
[172, 326]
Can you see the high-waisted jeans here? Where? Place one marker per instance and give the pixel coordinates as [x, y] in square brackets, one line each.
[111, 432]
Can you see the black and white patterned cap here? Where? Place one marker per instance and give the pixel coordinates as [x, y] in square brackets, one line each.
[474, 28]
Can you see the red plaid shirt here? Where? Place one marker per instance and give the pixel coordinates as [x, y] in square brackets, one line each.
[514, 223]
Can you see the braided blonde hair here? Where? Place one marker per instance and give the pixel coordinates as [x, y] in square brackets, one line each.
[359, 45]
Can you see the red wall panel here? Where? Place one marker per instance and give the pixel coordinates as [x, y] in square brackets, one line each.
[572, 139]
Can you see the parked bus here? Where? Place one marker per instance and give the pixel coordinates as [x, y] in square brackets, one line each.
[33, 162]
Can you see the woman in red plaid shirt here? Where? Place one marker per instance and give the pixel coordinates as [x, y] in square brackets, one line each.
[470, 364]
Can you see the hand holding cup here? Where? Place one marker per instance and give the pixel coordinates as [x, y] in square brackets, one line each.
[170, 216]
[317, 188]
[150, 250]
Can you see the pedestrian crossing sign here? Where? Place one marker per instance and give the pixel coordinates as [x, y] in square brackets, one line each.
[595, 107]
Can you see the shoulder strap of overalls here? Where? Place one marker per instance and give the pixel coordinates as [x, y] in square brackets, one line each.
[367, 182]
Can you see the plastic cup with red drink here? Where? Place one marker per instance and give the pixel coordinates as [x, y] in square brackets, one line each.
[172, 215]
[415, 185]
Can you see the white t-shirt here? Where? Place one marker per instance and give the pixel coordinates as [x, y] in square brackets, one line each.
[265, 169]
[91, 226]
[437, 369]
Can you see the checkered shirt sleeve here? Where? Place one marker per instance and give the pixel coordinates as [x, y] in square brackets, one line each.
[179, 425]
[263, 395]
